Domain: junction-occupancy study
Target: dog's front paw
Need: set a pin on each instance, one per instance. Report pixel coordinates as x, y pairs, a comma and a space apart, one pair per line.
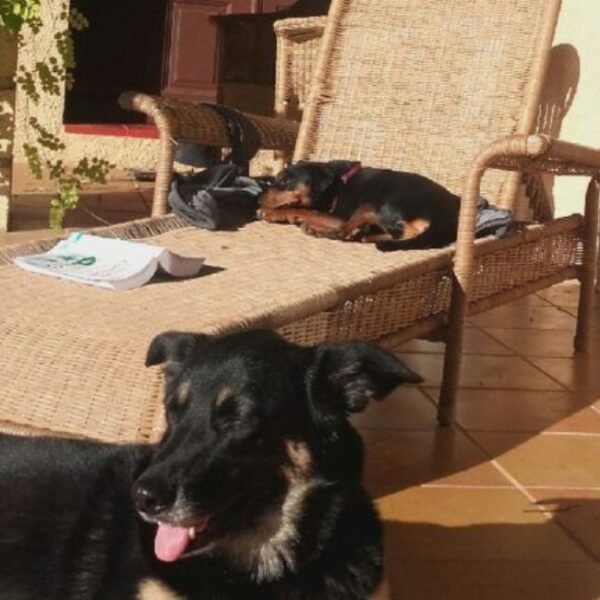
271, 215
317, 232
309, 229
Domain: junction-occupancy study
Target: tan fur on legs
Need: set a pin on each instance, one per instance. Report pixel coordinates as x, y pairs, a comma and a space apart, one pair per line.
414, 228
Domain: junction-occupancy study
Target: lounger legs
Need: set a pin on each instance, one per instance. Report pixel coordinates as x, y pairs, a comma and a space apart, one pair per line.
598, 259
461, 282
589, 267
164, 172
453, 356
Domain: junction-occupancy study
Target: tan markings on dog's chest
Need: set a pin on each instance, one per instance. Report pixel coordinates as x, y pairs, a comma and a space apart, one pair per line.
278, 551
153, 589
270, 548
300, 461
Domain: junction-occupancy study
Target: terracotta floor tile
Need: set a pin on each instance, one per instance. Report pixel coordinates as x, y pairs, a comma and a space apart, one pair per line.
579, 373
564, 295
476, 342
532, 317
525, 411
528, 301
577, 511
558, 461
407, 408
396, 460
471, 524
540, 342
595, 321
498, 372
494, 580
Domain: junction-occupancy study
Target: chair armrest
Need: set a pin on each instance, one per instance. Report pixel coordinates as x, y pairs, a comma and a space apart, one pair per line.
300, 27
181, 121
525, 153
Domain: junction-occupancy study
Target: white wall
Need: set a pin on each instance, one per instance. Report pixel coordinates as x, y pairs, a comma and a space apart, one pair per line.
579, 26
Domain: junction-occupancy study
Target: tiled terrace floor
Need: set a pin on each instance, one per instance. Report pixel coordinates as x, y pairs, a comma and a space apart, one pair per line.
505, 504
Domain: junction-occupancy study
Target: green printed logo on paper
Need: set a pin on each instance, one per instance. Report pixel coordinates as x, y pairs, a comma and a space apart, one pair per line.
84, 261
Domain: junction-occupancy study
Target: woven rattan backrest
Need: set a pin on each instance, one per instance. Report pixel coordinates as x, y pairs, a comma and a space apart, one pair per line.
423, 85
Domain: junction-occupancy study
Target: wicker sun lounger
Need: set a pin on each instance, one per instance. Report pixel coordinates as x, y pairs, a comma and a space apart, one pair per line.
400, 83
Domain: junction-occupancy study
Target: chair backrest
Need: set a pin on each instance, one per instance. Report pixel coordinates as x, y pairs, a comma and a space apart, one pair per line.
423, 86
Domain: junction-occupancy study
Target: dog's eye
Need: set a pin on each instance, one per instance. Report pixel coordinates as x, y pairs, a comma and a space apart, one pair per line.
227, 411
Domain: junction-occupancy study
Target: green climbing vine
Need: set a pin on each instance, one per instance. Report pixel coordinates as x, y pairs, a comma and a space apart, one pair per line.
43, 149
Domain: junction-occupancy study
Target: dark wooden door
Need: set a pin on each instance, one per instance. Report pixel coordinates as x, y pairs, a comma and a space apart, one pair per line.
274, 5
168, 47
191, 48
120, 50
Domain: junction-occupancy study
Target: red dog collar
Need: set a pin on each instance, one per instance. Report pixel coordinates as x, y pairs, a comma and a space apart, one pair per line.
351, 172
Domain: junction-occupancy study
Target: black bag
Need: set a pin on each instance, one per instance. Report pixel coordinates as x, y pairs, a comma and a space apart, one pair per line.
216, 198
222, 196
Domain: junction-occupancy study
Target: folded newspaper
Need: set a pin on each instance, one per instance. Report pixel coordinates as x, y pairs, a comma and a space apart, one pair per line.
108, 262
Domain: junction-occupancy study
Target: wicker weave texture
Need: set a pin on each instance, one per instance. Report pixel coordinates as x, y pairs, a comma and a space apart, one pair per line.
183, 121
298, 45
75, 382
73, 363
73, 355
372, 316
428, 86
514, 267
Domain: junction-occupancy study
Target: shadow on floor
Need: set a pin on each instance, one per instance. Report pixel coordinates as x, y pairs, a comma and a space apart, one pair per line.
497, 561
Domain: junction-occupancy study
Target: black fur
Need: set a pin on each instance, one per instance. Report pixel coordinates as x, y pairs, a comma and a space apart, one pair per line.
256, 427
396, 196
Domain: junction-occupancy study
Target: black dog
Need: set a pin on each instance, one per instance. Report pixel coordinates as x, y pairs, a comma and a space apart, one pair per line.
252, 493
341, 199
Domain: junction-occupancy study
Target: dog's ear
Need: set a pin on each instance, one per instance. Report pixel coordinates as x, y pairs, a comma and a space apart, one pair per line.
172, 347
344, 378
322, 180
341, 167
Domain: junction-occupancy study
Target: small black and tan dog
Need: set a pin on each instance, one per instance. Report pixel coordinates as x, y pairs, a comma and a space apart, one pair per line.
253, 492
342, 200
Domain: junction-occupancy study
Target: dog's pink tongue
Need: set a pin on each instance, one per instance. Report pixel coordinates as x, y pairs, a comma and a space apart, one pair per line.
170, 542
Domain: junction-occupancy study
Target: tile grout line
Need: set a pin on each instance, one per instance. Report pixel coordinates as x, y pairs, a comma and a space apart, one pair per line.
590, 434
428, 392
569, 488
526, 359
551, 377
548, 514
482, 329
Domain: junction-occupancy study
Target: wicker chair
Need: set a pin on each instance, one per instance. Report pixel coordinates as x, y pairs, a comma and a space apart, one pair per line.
399, 83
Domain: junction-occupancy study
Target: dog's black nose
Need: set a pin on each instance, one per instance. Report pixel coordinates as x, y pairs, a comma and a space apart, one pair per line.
152, 498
